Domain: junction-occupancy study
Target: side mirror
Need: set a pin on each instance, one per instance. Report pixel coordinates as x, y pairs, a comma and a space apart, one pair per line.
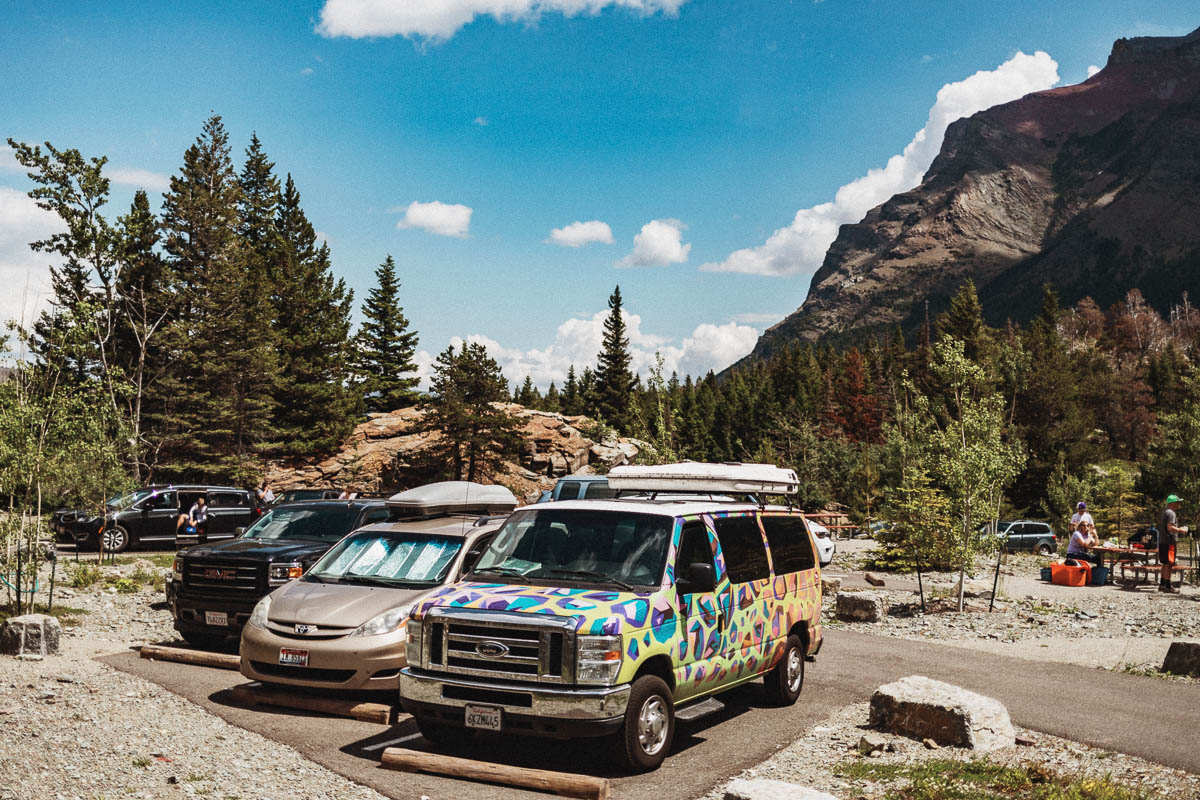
697, 578
238, 531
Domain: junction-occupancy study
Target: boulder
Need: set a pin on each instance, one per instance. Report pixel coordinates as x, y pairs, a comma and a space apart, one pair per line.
873, 579
764, 789
30, 635
871, 743
859, 607
1183, 658
922, 708
830, 586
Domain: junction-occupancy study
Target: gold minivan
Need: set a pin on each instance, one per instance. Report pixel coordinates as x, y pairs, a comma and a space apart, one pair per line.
342, 624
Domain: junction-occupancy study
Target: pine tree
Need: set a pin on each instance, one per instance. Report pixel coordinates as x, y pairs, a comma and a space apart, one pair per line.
964, 321
553, 400
476, 434
312, 327
571, 401
386, 372
226, 356
614, 379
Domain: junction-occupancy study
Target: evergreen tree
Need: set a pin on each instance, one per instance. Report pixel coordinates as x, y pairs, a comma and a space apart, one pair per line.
553, 400
527, 395
386, 372
614, 379
226, 357
572, 404
475, 434
313, 409
964, 321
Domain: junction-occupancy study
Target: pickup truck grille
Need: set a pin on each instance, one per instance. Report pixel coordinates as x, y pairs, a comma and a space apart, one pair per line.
212, 576
506, 652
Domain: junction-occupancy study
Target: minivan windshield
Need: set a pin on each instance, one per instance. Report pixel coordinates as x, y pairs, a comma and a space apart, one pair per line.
577, 545
388, 558
128, 501
316, 523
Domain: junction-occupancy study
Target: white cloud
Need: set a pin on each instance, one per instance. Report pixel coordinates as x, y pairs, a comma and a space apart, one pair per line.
441, 19
578, 341
800, 247
444, 219
140, 178
660, 242
24, 272
8, 160
306, 71
480, 121
1092, 70
577, 234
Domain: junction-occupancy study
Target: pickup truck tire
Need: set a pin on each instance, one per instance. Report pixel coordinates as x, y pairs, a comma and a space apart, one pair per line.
786, 679
116, 539
441, 735
205, 641
649, 729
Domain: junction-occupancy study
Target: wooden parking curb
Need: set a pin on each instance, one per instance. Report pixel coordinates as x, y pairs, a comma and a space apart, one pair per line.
364, 712
185, 656
560, 783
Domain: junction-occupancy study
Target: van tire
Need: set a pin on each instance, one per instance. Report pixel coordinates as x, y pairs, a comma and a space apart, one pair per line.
648, 731
116, 539
786, 679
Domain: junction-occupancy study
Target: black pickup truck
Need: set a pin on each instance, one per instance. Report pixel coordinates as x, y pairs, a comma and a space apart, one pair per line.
214, 587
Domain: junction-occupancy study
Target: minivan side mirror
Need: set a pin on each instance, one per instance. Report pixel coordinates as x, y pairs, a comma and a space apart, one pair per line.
238, 531
697, 578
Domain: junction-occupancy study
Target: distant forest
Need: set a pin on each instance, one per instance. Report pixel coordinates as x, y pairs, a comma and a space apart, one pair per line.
200, 341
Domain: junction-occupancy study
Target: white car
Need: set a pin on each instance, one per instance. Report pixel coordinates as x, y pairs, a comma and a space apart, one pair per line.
826, 546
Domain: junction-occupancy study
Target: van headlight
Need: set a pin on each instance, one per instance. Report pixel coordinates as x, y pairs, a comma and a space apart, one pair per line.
412, 647
258, 617
386, 622
598, 659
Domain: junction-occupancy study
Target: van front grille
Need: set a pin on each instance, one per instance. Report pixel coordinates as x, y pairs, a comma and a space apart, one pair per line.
508, 652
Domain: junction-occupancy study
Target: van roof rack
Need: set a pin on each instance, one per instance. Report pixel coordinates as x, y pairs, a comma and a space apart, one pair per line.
695, 477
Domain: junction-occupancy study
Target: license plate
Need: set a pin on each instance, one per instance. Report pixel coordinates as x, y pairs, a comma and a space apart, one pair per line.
216, 618
484, 717
293, 658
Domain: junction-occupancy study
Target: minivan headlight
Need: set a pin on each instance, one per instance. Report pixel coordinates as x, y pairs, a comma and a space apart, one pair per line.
386, 622
598, 659
258, 617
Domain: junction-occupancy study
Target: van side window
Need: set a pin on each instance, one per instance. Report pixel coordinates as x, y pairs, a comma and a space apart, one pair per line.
741, 542
791, 548
693, 547
568, 491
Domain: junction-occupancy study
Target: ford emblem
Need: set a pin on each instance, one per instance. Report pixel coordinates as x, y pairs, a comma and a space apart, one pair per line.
302, 629
491, 649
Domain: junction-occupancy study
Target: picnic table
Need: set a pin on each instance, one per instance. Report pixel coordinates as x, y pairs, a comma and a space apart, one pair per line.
1133, 559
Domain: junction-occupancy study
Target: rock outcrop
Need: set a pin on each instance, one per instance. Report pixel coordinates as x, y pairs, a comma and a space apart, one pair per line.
383, 455
1089, 187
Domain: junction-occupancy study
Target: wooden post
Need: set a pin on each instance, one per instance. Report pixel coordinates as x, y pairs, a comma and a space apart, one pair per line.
185, 656
364, 712
560, 783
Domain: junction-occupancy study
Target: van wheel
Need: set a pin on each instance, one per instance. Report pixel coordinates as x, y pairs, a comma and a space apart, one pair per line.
116, 539
785, 681
646, 735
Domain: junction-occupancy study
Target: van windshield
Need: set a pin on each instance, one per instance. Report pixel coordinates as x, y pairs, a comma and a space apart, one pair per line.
585, 546
387, 558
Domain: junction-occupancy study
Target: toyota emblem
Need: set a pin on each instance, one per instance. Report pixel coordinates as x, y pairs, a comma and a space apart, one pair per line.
303, 629
491, 649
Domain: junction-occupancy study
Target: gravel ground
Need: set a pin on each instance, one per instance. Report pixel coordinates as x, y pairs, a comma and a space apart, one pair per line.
812, 759
71, 727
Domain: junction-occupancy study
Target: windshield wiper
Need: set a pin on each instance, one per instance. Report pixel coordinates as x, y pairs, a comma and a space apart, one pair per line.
363, 580
500, 571
600, 577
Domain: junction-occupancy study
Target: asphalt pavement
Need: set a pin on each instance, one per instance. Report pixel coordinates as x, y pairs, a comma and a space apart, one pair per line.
1150, 717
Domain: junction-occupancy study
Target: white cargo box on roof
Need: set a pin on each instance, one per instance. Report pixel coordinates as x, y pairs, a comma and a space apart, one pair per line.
693, 476
453, 497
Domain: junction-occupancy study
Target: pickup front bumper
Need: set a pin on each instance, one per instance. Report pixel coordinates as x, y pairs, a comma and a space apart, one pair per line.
558, 711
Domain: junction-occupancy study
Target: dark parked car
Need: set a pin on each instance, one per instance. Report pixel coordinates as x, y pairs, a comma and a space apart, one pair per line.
214, 587
1025, 534
293, 495
147, 517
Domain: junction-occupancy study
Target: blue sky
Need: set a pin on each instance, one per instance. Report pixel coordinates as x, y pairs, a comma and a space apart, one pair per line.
710, 123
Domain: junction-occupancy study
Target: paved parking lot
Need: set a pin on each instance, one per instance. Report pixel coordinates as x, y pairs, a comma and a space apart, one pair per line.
1087, 705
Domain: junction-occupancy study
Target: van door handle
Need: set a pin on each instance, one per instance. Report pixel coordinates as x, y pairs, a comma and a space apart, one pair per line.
721, 621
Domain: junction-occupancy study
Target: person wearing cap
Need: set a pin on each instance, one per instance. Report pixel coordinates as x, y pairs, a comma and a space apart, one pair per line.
1168, 536
1081, 515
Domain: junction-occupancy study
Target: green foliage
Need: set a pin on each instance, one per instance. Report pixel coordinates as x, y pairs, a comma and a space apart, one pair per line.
475, 433
385, 370
85, 576
923, 532
614, 378
1173, 466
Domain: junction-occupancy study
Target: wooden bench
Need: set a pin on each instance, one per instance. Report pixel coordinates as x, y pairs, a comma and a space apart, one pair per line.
1143, 571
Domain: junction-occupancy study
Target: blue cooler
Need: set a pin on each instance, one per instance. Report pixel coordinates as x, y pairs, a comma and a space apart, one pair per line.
1099, 576
1046, 576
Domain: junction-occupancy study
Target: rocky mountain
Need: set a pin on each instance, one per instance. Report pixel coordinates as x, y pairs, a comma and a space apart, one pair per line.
381, 455
1094, 188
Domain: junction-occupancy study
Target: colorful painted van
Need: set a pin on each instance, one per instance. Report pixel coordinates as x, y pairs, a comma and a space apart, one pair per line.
613, 617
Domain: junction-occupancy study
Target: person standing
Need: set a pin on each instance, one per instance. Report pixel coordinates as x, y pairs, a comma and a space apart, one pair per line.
1168, 537
1080, 516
